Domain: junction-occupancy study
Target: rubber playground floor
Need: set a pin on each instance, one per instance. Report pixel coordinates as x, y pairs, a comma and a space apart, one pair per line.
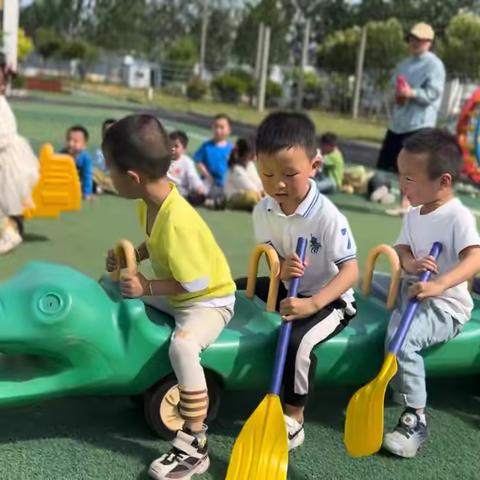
107, 438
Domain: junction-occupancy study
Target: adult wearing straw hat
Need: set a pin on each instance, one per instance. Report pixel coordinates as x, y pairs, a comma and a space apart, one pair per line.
418, 83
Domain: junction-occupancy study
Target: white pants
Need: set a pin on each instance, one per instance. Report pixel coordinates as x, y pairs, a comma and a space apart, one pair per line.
196, 327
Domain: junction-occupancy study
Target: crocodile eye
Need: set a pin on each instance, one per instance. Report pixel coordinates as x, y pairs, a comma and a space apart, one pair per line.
51, 307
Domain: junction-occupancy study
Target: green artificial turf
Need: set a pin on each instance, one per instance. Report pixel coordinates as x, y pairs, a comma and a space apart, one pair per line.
107, 438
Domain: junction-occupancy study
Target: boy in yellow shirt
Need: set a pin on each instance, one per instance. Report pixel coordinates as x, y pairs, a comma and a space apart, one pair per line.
193, 281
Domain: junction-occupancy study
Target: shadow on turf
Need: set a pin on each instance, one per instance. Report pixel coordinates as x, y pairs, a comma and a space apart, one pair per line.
34, 237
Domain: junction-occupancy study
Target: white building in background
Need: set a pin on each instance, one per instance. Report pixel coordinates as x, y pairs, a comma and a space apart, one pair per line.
138, 73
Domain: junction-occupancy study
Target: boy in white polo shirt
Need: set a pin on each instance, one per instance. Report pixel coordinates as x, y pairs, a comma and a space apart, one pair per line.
287, 158
429, 165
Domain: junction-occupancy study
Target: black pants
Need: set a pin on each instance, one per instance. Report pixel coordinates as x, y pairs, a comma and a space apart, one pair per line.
306, 334
391, 147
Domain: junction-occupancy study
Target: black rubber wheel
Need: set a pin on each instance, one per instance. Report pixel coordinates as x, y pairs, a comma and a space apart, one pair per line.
161, 406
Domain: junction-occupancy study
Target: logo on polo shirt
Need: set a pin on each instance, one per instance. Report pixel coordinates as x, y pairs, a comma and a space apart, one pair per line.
314, 244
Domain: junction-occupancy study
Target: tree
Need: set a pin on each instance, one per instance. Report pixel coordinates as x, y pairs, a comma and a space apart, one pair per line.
221, 30
461, 46
385, 48
338, 52
25, 45
47, 43
120, 25
274, 13
82, 51
66, 17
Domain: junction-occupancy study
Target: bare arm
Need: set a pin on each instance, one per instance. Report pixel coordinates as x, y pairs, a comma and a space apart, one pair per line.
468, 266
412, 265
141, 252
345, 279
292, 308
203, 170
165, 287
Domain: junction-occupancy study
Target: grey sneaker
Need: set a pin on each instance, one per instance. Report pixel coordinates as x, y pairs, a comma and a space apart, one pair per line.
186, 458
409, 435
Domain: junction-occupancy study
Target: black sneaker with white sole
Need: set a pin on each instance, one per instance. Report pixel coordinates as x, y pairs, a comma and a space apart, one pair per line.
187, 457
409, 435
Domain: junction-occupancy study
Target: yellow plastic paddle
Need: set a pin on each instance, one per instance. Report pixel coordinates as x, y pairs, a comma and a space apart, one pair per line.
261, 450
364, 421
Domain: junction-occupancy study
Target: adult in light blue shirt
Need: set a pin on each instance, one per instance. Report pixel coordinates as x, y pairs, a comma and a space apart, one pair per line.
418, 83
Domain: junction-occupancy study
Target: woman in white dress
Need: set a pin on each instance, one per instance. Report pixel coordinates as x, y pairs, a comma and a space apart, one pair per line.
19, 172
243, 187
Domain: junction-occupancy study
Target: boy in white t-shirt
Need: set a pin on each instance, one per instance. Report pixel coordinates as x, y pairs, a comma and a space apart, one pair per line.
183, 172
429, 165
287, 157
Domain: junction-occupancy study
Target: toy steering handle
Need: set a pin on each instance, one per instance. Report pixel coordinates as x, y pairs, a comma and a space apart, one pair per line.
395, 272
274, 265
125, 253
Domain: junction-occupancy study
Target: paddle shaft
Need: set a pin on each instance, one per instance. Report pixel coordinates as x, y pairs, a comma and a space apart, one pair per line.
400, 334
285, 330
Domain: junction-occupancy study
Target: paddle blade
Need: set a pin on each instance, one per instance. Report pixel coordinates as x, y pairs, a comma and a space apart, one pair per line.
261, 450
364, 421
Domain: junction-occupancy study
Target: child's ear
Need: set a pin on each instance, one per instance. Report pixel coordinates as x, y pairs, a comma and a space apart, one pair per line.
317, 160
446, 180
134, 176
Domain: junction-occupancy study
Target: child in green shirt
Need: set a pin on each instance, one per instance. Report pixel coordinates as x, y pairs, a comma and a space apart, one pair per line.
329, 179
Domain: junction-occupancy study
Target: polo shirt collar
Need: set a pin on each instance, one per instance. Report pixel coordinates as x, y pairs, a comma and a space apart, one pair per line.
308, 205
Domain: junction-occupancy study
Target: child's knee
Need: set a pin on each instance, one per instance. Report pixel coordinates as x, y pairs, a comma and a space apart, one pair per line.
183, 348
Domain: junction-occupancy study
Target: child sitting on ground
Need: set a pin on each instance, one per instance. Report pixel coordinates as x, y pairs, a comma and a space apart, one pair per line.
212, 159
428, 165
243, 187
329, 178
101, 177
193, 281
294, 207
76, 145
182, 171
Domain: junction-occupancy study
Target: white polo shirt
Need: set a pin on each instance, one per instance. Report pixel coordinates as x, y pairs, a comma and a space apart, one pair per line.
330, 241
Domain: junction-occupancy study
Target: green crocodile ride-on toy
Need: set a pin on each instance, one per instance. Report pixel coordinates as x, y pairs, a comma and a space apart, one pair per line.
63, 333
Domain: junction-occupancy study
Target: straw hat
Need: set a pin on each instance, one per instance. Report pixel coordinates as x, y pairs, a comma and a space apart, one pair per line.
422, 31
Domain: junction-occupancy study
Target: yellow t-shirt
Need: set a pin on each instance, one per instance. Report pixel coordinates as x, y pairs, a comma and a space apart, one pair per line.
182, 247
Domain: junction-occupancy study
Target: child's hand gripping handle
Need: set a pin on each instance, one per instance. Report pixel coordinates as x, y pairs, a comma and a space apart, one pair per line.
125, 253
397, 341
284, 337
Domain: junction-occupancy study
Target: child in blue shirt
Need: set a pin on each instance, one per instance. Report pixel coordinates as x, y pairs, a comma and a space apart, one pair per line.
76, 145
212, 156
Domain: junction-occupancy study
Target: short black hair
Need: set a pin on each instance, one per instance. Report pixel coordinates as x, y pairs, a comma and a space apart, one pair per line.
329, 138
107, 123
282, 130
181, 136
241, 152
443, 151
222, 116
79, 128
138, 142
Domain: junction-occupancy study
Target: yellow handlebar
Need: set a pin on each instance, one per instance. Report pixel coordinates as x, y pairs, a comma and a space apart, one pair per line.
125, 253
395, 272
274, 264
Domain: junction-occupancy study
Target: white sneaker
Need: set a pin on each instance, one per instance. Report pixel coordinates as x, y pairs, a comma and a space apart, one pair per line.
295, 432
186, 458
9, 240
